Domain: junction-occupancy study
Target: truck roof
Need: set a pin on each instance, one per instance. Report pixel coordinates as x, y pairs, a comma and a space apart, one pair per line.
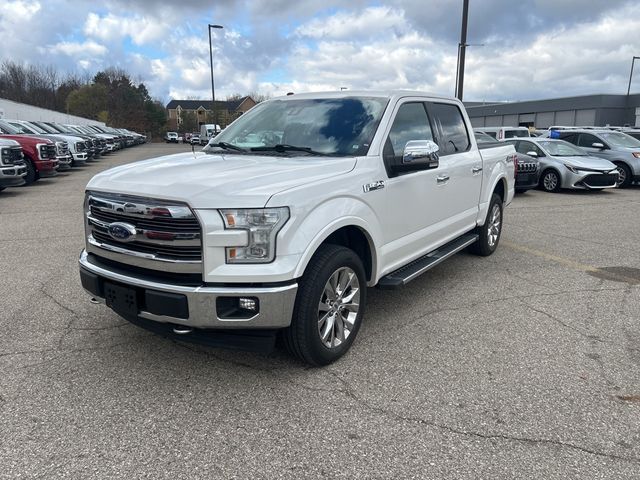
365, 93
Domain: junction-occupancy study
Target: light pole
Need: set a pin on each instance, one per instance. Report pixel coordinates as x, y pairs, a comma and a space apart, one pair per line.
462, 47
213, 90
631, 74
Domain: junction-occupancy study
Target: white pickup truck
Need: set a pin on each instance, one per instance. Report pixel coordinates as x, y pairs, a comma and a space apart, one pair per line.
284, 219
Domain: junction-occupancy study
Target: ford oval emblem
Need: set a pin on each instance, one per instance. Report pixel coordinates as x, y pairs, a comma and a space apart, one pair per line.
122, 232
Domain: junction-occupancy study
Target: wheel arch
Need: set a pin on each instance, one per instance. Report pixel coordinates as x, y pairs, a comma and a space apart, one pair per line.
350, 232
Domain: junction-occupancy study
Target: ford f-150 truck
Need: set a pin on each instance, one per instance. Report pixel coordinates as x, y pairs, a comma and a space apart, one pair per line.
287, 216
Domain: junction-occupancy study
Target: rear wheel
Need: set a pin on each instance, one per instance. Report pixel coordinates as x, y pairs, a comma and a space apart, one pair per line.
329, 306
489, 233
624, 175
550, 181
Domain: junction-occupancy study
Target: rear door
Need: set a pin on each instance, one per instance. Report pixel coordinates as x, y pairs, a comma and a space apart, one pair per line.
460, 167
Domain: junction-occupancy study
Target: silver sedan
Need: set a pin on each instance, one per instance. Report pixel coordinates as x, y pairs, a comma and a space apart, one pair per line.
564, 165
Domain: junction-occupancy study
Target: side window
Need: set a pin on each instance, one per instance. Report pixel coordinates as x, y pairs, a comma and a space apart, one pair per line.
587, 140
525, 147
411, 123
452, 131
493, 134
570, 137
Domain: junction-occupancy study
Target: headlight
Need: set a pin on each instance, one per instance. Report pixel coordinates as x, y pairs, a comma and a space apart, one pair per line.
571, 168
42, 151
6, 155
262, 226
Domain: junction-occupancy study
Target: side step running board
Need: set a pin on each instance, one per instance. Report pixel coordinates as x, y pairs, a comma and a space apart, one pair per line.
404, 275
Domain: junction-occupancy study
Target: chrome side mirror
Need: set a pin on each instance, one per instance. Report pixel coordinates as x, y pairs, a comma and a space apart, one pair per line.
532, 153
421, 152
598, 145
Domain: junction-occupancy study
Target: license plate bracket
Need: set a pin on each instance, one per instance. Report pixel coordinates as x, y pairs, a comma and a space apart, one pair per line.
122, 300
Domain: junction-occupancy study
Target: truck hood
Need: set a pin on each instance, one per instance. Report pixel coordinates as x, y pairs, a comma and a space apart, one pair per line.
218, 181
587, 162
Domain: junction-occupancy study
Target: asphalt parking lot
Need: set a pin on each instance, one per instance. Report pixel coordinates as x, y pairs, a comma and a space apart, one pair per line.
525, 364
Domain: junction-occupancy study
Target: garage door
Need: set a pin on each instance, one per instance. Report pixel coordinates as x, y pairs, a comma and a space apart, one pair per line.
544, 119
510, 120
565, 117
586, 118
493, 121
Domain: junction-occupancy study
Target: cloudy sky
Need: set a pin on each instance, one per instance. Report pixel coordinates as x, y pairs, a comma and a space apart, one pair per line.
530, 48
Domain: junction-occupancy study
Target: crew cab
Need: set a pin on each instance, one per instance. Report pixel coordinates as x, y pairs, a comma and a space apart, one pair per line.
39, 155
285, 218
12, 167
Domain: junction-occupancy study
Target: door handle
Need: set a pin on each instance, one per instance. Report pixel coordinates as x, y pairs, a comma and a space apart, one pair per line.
442, 179
476, 169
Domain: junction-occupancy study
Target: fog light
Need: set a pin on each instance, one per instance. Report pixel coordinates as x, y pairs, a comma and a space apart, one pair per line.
248, 304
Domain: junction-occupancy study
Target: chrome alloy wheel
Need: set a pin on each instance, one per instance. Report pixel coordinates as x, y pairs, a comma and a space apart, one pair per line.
338, 307
495, 221
550, 181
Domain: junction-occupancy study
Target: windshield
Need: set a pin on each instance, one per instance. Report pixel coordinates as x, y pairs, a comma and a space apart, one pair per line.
18, 127
560, 148
46, 128
516, 133
620, 139
329, 126
6, 127
35, 128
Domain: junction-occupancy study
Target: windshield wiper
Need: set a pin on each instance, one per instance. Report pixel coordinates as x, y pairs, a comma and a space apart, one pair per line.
283, 147
227, 146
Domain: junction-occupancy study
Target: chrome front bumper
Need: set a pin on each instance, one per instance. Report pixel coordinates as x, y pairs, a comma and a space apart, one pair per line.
275, 303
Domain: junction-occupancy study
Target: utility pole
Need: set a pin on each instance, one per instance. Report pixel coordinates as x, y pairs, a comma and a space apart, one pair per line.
462, 47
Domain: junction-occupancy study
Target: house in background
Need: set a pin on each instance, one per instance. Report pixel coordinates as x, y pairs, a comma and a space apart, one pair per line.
180, 111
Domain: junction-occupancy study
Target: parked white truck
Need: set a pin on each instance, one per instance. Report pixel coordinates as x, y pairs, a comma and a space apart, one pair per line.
286, 217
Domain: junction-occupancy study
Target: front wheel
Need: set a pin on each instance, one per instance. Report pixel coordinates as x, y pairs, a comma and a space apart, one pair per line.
329, 306
550, 181
32, 175
489, 233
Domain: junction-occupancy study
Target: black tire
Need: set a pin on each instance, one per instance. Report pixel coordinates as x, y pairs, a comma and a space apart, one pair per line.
32, 175
303, 338
487, 242
550, 181
624, 173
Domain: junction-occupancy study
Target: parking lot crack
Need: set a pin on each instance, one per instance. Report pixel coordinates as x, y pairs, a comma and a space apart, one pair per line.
349, 392
590, 337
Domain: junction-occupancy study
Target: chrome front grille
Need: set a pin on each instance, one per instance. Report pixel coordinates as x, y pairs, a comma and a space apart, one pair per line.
63, 149
51, 151
527, 167
15, 156
143, 232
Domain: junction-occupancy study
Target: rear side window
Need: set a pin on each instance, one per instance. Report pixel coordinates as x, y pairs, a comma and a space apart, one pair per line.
452, 131
587, 140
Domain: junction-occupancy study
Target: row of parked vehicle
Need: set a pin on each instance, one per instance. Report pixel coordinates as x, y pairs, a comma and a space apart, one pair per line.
590, 158
35, 149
